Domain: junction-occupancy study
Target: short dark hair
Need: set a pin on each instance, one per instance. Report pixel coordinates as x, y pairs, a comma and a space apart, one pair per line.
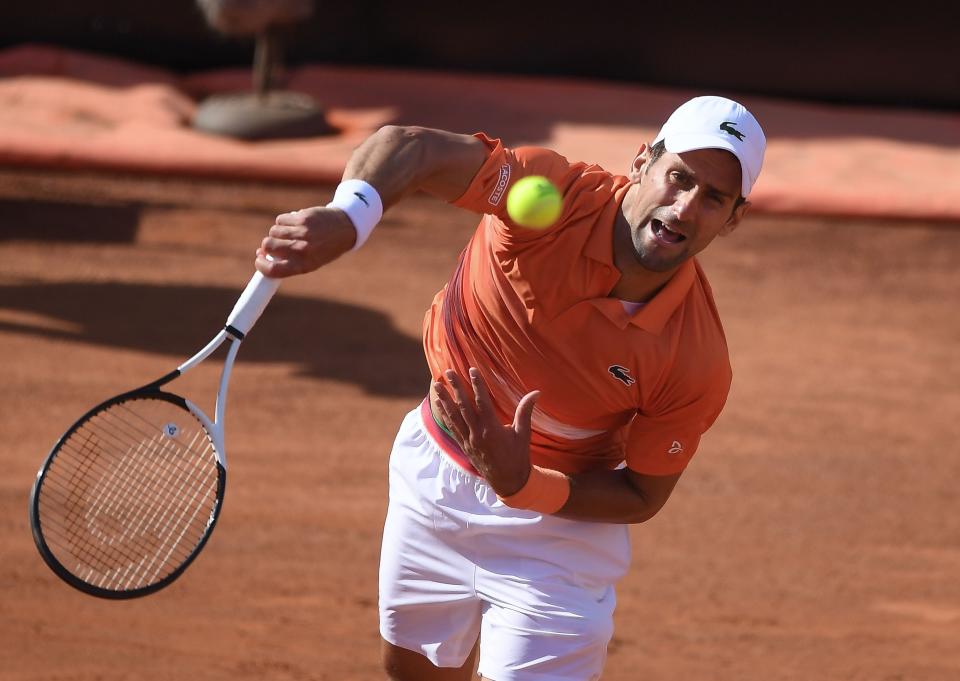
659, 148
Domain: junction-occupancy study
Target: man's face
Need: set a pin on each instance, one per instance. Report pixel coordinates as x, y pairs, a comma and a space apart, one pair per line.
680, 203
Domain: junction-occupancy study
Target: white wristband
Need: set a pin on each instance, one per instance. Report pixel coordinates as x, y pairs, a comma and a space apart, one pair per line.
362, 204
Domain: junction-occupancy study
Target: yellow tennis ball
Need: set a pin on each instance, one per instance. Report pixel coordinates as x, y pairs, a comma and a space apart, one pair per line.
534, 202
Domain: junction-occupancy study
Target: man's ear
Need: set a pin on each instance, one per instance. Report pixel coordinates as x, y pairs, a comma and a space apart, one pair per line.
636, 168
734, 221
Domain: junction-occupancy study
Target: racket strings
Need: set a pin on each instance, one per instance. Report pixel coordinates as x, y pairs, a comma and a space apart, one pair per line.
122, 506
110, 479
109, 500
116, 434
130, 494
121, 527
123, 534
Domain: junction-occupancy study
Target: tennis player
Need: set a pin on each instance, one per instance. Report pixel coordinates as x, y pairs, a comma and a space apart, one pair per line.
575, 369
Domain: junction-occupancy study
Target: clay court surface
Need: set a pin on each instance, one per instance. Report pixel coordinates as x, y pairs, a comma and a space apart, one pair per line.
816, 535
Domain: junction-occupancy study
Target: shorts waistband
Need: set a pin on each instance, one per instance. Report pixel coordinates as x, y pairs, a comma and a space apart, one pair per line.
446, 443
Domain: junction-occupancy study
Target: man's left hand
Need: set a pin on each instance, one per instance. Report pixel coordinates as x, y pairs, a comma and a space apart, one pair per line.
500, 452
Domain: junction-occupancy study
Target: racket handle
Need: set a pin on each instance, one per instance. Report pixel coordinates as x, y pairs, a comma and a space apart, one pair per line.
251, 304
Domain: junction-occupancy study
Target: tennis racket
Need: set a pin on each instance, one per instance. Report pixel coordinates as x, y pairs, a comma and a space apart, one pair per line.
131, 492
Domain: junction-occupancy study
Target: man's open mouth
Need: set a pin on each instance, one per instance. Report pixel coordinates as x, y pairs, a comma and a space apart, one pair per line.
664, 233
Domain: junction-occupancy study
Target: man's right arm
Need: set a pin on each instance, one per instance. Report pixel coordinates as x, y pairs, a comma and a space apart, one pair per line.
400, 160
396, 161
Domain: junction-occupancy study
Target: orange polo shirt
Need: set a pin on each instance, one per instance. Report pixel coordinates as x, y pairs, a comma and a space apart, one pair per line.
530, 309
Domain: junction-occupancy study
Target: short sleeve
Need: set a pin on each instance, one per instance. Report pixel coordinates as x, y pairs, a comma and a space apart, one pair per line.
487, 193
664, 443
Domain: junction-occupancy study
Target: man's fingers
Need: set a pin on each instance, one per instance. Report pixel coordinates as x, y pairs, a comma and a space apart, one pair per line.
292, 218
281, 247
451, 413
280, 257
274, 266
524, 414
481, 394
288, 232
464, 406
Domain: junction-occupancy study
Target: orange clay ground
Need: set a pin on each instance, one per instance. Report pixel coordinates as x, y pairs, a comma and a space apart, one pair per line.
816, 535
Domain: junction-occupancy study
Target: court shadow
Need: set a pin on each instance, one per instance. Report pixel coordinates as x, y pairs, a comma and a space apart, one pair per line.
68, 222
323, 339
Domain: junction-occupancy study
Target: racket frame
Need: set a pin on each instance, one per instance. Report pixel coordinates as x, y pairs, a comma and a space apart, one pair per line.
244, 315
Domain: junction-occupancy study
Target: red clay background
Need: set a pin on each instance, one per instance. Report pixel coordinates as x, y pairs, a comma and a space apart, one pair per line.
66, 109
815, 536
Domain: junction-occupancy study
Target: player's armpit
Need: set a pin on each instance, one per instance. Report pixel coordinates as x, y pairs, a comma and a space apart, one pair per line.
619, 496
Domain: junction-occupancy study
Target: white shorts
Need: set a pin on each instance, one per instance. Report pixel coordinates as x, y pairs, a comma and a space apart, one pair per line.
457, 563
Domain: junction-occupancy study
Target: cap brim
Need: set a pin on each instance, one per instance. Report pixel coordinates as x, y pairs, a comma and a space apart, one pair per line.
677, 144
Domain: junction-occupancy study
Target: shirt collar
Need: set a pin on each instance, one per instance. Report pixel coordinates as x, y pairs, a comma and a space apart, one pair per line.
653, 316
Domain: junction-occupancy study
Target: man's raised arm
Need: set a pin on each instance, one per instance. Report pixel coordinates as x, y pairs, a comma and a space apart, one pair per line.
393, 162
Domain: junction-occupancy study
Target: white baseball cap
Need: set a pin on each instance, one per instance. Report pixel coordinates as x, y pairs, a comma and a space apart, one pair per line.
717, 123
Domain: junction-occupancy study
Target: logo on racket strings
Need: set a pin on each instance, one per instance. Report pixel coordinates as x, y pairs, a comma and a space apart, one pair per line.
171, 430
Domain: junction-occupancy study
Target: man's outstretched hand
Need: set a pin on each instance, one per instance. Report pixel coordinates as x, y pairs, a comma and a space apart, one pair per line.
500, 452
